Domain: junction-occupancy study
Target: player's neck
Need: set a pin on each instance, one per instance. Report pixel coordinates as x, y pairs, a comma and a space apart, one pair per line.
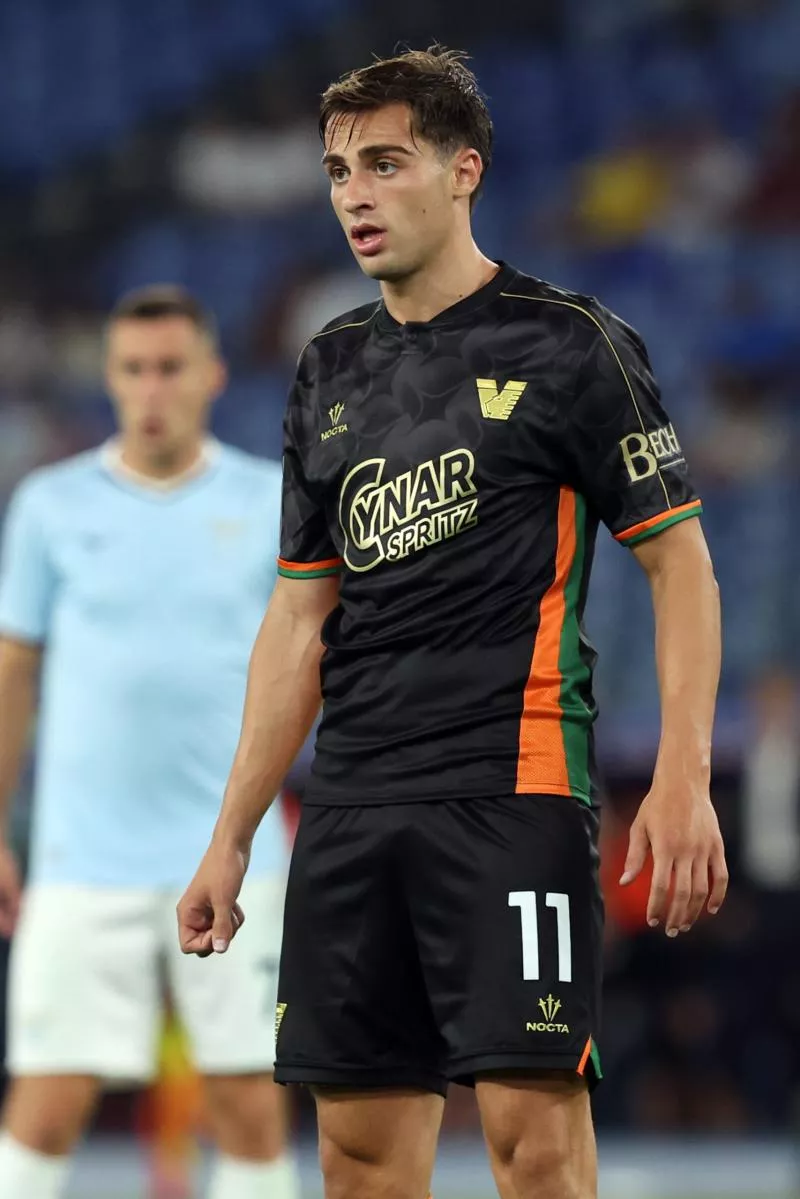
165, 470
453, 275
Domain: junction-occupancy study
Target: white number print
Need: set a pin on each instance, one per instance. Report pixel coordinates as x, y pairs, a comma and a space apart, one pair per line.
529, 919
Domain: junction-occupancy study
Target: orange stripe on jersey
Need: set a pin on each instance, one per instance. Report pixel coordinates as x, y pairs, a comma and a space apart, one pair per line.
670, 517
585, 1056
309, 570
542, 762
310, 565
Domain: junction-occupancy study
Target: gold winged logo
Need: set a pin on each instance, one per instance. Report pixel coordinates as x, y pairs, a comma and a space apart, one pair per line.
497, 404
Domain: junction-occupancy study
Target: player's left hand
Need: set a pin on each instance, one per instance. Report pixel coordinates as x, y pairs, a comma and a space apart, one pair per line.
209, 914
682, 832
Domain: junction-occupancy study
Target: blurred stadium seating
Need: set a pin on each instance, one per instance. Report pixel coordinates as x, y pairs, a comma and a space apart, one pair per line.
648, 152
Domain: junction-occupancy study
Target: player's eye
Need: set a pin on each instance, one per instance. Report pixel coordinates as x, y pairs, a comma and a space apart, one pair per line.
171, 366
338, 174
384, 167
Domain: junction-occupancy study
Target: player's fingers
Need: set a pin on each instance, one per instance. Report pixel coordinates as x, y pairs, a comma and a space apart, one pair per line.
681, 896
659, 888
198, 943
699, 892
238, 915
193, 918
719, 878
638, 845
223, 928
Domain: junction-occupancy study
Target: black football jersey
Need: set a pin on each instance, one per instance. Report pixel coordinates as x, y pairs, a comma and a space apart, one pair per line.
454, 472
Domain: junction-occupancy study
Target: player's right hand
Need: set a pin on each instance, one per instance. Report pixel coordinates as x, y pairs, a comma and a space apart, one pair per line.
209, 915
10, 891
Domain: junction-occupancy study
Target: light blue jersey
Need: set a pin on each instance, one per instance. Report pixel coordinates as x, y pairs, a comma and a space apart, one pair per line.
147, 602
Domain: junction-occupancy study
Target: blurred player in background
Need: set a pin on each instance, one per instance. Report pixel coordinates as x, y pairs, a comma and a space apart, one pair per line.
450, 452
135, 576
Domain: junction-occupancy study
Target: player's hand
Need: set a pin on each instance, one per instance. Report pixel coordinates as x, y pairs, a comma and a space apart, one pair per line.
209, 915
682, 831
10, 891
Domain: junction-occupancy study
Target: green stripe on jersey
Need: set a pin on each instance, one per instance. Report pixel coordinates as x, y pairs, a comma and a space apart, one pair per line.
576, 719
668, 520
309, 574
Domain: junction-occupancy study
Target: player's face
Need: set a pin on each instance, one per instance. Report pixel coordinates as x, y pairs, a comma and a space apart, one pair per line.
394, 194
163, 376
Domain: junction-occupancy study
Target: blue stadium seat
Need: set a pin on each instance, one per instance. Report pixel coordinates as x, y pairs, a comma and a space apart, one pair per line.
76, 75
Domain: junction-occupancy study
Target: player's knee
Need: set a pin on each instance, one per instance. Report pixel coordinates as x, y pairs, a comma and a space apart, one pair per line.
247, 1115
377, 1146
354, 1168
348, 1176
49, 1115
542, 1167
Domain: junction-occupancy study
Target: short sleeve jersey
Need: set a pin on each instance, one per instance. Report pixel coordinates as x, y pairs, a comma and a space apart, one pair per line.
147, 603
454, 473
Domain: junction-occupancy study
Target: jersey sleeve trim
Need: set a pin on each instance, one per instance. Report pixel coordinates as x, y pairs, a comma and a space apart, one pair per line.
309, 570
656, 524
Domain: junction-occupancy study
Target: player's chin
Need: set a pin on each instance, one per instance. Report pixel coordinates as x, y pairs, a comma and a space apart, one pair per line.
372, 265
384, 267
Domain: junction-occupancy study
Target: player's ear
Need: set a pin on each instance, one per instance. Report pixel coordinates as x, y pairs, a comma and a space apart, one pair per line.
220, 377
467, 171
108, 379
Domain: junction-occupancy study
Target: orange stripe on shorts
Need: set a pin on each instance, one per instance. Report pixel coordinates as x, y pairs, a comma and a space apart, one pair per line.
585, 1057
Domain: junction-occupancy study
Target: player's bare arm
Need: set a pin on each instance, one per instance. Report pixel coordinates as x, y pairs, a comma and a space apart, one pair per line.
19, 677
283, 698
676, 820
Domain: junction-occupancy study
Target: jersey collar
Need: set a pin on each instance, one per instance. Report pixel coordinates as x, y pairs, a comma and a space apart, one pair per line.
456, 312
111, 458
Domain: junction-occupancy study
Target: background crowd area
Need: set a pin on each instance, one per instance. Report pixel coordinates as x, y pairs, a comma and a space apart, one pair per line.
647, 152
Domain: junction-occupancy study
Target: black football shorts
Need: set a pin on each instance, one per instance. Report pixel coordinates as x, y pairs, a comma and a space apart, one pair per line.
428, 942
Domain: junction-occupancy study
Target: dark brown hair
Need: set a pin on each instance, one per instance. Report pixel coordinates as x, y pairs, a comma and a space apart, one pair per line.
163, 300
447, 106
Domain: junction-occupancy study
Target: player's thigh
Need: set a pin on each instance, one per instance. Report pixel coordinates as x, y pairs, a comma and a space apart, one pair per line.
227, 1001
393, 1131
83, 985
508, 914
542, 1122
353, 1011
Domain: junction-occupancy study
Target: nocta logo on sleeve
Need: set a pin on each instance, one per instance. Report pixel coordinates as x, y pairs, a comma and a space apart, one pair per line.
337, 426
386, 520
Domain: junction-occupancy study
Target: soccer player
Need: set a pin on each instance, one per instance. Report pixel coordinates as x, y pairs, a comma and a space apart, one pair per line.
449, 453
136, 575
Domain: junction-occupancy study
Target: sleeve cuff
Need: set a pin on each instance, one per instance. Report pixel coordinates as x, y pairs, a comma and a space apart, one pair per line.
17, 630
657, 524
309, 570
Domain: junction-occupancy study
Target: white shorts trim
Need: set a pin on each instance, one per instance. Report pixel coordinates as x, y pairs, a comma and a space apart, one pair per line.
88, 971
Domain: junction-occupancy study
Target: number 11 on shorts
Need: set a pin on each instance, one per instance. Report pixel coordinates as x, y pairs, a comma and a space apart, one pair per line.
529, 919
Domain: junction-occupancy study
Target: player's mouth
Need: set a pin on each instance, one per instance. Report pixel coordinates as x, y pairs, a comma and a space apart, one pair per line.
368, 239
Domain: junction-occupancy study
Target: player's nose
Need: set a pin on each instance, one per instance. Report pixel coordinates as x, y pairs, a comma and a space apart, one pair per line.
154, 391
358, 196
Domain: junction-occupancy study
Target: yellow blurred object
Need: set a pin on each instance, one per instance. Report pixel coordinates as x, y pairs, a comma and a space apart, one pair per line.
172, 1110
620, 195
